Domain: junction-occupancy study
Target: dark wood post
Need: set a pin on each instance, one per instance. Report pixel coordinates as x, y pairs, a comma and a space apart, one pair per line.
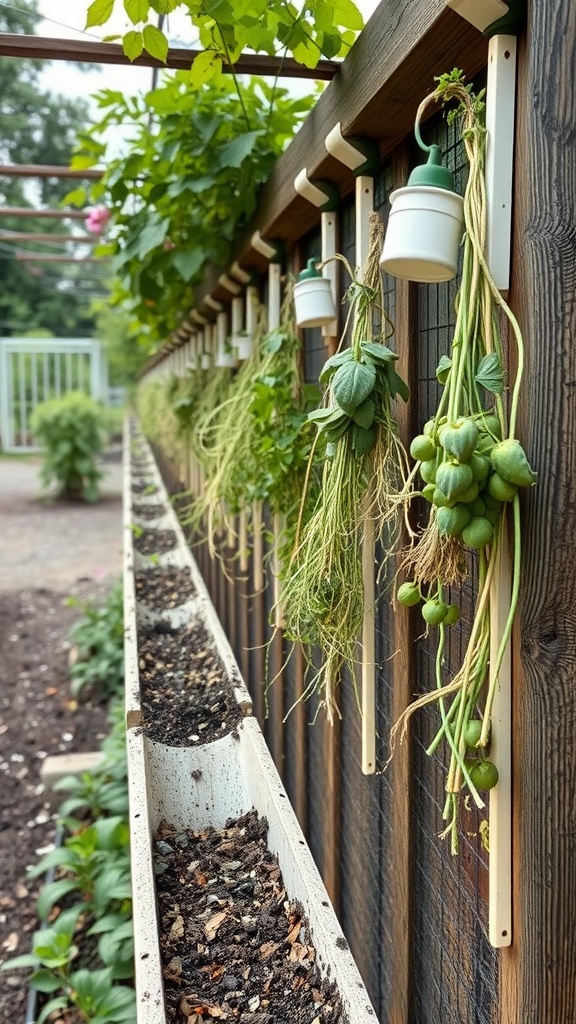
538, 973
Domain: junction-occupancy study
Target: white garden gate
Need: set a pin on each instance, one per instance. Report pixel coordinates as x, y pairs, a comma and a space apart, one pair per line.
33, 370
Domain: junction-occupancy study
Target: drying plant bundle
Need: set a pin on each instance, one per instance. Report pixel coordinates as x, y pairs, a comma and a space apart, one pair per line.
362, 465
251, 444
471, 465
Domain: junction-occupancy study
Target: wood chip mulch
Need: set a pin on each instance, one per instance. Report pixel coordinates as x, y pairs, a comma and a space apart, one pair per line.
187, 697
234, 947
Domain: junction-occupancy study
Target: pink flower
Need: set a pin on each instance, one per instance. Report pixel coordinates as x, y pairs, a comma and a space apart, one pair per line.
97, 219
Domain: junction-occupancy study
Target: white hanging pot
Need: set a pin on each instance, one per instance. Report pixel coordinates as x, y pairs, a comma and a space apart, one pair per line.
225, 359
425, 226
313, 299
243, 346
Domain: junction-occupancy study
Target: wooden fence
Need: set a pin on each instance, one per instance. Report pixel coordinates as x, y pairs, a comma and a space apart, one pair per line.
414, 916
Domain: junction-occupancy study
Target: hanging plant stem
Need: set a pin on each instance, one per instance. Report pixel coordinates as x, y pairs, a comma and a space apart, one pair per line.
363, 467
472, 466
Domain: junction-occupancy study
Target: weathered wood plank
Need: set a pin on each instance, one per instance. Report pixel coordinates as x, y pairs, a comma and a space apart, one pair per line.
542, 968
96, 52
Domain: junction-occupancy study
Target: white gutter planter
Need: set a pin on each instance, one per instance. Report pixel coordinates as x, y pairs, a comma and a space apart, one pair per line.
205, 785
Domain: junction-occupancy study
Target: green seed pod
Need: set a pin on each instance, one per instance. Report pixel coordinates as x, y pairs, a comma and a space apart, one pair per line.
453, 479
478, 533
408, 594
459, 438
428, 492
452, 615
440, 500
509, 460
490, 424
434, 612
479, 465
451, 521
423, 448
490, 502
428, 471
470, 493
472, 732
500, 489
492, 515
484, 775
477, 507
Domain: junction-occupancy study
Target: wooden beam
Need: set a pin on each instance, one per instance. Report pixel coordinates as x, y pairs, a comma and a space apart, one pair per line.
42, 257
375, 94
178, 58
537, 972
27, 211
38, 236
46, 171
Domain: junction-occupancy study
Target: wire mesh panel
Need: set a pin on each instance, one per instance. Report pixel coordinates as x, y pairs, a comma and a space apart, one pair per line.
454, 969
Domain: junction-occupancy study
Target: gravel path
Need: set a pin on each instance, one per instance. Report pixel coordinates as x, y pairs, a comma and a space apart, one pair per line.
49, 543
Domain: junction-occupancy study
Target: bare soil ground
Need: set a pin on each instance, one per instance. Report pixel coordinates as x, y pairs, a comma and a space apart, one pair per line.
49, 550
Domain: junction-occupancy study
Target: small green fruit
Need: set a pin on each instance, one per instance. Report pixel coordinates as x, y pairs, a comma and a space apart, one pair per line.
440, 500
509, 460
452, 615
477, 507
428, 471
484, 775
453, 479
501, 489
408, 594
434, 612
478, 533
423, 448
480, 466
459, 438
472, 732
428, 492
451, 521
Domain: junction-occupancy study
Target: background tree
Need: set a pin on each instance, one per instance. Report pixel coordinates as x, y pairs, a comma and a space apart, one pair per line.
37, 126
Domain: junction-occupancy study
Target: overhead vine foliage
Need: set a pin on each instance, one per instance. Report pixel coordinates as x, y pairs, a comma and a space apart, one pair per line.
188, 182
314, 29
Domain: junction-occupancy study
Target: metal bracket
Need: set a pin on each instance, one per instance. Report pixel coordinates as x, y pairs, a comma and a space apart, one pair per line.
266, 249
325, 197
231, 286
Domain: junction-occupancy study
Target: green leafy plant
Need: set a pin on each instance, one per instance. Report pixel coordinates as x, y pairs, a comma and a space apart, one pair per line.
87, 948
99, 636
70, 429
362, 463
316, 28
471, 465
187, 184
254, 445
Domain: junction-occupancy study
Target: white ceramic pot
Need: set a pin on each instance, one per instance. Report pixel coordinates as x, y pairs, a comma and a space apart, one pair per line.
313, 302
424, 234
243, 346
225, 359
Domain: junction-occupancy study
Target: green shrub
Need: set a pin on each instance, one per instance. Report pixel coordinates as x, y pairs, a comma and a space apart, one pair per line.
99, 637
70, 429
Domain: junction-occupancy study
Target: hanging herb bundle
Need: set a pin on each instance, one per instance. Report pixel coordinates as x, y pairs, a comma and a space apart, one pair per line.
254, 445
471, 465
362, 462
